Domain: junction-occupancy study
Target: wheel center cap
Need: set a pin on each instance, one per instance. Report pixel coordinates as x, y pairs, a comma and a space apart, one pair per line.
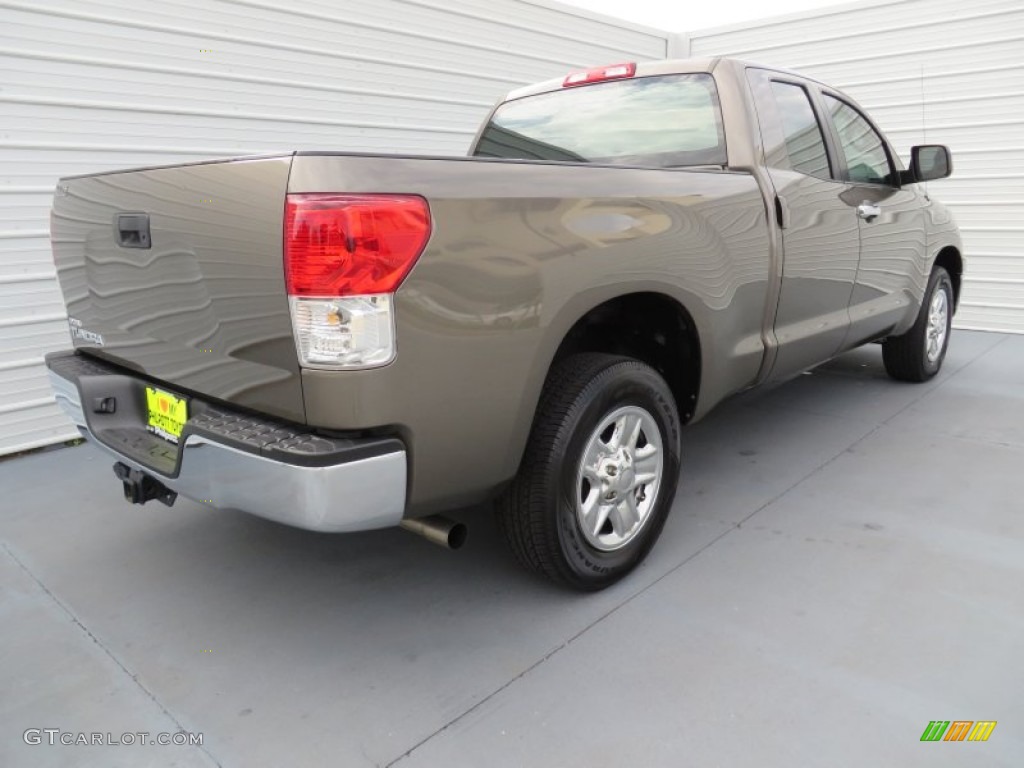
618, 473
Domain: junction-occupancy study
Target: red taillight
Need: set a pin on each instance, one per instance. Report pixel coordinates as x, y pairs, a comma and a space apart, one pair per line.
597, 74
352, 245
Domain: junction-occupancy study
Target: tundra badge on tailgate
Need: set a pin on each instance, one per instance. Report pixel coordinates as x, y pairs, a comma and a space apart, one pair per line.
78, 331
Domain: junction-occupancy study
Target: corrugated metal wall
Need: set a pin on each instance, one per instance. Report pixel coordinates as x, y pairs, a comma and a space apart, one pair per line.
947, 71
93, 86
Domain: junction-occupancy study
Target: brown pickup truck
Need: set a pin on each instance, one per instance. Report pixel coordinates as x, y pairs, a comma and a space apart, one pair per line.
344, 341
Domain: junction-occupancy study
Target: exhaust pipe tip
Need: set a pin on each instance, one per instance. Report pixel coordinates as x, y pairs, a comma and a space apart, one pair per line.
437, 529
457, 536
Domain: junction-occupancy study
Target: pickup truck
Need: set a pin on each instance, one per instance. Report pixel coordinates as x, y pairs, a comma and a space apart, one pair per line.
343, 341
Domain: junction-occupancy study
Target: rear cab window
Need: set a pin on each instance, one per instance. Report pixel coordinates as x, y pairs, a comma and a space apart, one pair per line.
664, 121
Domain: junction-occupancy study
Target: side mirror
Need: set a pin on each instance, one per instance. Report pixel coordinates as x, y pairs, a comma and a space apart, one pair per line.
930, 161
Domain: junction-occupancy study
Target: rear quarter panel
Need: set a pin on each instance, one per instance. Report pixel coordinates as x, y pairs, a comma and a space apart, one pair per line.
519, 252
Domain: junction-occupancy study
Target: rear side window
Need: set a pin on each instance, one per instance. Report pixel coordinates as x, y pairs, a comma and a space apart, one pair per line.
665, 121
866, 158
805, 143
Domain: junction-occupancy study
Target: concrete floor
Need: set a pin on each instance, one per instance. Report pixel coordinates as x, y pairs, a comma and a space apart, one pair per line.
844, 564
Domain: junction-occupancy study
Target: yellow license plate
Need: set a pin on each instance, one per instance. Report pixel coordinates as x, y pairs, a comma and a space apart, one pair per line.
166, 414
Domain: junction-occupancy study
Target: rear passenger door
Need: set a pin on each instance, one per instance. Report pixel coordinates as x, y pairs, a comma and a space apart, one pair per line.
819, 225
893, 268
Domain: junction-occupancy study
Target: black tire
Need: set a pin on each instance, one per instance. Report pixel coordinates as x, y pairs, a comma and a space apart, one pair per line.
905, 356
538, 513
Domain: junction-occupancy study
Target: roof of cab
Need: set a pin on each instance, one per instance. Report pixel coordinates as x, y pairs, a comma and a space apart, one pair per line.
643, 69
651, 68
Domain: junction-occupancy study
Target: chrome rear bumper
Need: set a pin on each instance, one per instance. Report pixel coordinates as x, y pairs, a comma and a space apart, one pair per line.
363, 493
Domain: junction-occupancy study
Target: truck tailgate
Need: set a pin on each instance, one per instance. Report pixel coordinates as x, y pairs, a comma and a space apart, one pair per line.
176, 273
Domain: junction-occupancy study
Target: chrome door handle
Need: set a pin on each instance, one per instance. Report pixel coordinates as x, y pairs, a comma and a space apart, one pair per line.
868, 211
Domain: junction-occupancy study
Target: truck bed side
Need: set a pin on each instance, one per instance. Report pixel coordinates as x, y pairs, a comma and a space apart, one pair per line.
519, 252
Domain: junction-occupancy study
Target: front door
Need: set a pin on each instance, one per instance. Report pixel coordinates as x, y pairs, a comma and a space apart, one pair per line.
893, 269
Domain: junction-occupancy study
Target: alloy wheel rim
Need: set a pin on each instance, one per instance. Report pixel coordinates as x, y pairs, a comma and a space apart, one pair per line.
618, 478
938, 323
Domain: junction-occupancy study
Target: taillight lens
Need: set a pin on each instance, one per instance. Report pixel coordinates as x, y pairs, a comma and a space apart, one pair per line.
344, 256
352, 245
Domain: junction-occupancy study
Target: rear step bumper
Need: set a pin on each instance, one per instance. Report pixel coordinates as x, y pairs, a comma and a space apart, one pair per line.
231, 460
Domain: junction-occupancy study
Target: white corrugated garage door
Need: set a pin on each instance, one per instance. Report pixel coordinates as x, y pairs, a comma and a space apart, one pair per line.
93, 86
948, 71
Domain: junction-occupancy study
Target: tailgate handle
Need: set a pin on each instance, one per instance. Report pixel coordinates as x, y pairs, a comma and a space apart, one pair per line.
132, 230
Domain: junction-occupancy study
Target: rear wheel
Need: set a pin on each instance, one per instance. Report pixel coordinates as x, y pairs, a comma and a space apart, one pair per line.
918, 354
599, 473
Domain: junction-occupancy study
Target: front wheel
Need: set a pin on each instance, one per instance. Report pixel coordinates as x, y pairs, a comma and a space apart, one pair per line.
917, 355
599, 473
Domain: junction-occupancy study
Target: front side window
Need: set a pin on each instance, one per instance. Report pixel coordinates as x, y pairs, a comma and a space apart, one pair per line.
866, 159
665, 121
805, 144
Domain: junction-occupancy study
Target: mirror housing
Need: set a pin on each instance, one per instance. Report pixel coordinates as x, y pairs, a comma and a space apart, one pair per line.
929, 162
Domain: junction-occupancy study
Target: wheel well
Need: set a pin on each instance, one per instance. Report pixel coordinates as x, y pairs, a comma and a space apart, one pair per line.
949, 258
650, 327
